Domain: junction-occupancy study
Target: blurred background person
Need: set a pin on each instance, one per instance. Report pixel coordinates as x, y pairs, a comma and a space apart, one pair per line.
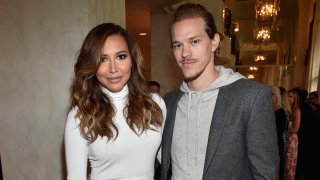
154, 87
308, 152
284, 99
313, 100
282, 121
294, 125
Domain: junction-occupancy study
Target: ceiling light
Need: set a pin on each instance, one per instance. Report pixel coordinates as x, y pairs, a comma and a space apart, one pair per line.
259, 57
266, 20
267, 10
235, 26
250, 76
262, 34
253, 68
142, 34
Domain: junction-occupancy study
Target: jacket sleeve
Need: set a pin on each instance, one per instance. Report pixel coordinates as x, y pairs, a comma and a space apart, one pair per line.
261, 138
76, 149
158, 99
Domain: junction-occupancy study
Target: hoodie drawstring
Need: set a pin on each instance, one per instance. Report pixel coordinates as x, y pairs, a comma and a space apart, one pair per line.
187, 150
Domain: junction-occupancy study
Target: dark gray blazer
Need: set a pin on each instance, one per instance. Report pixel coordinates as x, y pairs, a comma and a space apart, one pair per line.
242, 143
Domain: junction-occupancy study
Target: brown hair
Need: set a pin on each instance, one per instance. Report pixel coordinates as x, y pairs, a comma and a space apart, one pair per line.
94, 108
190, 10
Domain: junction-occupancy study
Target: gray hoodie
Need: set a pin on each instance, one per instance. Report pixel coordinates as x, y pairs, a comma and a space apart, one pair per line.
192, 124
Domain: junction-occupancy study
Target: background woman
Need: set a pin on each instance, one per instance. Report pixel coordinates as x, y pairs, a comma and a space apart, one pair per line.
294, 124
114, 120
284, 99
282, 121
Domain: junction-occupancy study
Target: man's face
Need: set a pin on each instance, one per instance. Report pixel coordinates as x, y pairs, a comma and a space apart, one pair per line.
313, 100
192, 47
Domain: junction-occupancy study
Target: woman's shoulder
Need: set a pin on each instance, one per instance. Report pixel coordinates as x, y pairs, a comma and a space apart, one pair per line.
297, 111
159, 100
72, 118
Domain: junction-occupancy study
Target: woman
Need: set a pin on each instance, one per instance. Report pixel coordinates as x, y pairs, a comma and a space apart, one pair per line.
284, 99
294, 124
282, 121
114, 120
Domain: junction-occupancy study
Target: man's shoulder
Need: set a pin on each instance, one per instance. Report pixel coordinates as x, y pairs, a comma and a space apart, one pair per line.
245, 88
245, 85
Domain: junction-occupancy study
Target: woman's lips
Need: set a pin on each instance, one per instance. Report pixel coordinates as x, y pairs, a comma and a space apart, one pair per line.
114, 79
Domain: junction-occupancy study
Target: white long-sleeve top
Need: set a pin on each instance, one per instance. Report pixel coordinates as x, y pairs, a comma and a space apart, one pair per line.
128, 157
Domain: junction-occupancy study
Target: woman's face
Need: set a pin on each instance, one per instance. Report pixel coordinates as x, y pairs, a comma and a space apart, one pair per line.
290, 98
115, 66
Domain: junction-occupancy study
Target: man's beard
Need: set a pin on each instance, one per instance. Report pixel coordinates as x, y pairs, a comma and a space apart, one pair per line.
192, 78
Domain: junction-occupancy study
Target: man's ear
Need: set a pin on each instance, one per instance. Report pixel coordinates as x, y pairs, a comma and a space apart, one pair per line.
215, 42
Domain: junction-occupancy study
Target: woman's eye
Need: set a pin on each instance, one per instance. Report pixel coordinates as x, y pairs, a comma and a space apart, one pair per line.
122, 57
104, 59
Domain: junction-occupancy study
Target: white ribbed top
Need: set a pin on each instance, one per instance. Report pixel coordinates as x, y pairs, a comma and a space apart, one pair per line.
129, 157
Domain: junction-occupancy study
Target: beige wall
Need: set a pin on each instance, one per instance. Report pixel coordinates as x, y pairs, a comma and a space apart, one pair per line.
314, 65
39, 40
163, 65
301, 43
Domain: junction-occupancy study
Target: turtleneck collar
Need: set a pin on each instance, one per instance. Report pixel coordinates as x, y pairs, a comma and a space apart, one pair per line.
117, 96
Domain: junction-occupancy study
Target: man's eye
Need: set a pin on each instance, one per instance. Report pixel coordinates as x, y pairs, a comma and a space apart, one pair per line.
195, 42
176, 46
122, 57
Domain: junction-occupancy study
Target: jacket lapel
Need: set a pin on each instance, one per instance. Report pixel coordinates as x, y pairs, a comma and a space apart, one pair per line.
217, 125
172, 104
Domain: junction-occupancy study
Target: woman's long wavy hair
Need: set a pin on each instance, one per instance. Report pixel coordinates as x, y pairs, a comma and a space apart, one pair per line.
94, 108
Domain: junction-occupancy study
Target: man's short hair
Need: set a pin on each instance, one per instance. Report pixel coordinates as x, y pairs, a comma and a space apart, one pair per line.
154, 83
190, 10
315, 94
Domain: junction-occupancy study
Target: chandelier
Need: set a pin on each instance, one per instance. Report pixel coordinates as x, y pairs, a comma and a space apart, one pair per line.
266, 20
253, 68
259, 57
267, 11
250, 76
262, 34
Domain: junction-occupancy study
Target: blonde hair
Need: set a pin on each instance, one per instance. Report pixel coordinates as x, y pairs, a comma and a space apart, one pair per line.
276, 91
284, 99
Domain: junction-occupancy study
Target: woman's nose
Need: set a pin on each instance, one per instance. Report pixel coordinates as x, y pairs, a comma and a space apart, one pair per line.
113, 66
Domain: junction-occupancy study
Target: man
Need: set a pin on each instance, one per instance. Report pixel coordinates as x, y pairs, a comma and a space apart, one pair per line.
314, 100
307, 135
219, 125
154, 87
